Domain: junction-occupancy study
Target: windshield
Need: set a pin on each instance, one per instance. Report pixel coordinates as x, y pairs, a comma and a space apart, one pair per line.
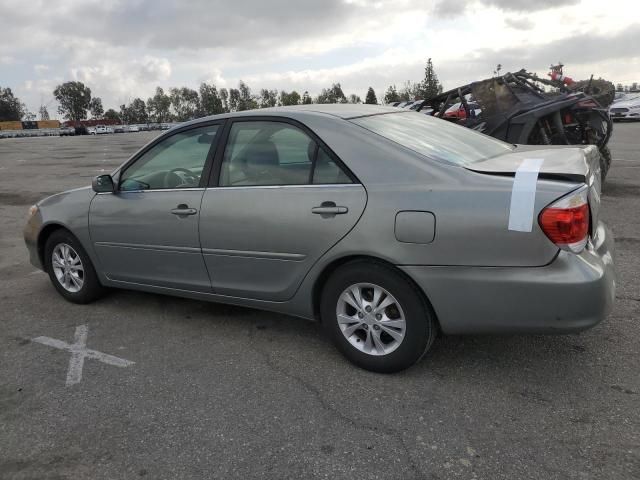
435, 138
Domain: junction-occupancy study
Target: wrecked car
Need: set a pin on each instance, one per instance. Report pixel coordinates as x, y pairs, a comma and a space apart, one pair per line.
515, 107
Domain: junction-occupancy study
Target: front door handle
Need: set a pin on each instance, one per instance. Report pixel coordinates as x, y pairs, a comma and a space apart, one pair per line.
184, 209
329, 208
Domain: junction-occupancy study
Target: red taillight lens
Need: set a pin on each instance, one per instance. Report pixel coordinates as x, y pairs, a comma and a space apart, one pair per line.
566, 222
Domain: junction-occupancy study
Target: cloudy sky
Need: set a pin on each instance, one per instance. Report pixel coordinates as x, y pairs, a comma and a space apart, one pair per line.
123, 49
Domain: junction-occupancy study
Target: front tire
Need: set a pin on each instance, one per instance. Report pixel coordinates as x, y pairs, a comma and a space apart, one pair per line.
70, 268
376, 317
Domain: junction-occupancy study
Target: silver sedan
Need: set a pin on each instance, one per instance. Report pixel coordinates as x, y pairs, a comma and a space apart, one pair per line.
386, 225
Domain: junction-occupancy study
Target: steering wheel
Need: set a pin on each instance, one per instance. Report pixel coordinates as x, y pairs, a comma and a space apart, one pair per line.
173, 180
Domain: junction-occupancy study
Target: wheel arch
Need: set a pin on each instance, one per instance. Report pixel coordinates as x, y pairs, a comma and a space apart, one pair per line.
334, 265
44, 235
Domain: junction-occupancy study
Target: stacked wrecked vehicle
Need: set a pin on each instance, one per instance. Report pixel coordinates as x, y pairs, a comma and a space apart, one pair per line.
517, 108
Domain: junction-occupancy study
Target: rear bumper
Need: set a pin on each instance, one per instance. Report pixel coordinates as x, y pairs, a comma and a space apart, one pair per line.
572, 293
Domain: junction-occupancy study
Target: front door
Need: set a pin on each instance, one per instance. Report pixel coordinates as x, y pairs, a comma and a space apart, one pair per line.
147, 231
282, 200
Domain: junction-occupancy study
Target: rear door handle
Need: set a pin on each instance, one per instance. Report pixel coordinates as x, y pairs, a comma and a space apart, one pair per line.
329, 208
183, 209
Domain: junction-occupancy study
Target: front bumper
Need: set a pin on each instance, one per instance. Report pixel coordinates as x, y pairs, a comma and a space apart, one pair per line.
625, 116
572, 293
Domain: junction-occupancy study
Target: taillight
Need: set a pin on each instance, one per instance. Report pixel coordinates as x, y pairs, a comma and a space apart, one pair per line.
566, 222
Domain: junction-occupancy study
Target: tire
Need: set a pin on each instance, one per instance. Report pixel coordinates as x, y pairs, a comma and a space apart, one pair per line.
605, 162
366, 342
77, 285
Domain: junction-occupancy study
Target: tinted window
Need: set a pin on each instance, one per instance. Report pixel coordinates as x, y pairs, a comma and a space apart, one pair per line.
327, 171
267, 153
435, 138
176, 162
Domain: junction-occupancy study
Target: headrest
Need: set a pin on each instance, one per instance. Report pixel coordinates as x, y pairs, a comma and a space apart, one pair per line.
262, 154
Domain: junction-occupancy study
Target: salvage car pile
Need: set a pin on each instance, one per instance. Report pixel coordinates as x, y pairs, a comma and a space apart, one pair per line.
517, 108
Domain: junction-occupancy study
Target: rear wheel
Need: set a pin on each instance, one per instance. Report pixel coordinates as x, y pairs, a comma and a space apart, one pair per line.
376, 317
70, 268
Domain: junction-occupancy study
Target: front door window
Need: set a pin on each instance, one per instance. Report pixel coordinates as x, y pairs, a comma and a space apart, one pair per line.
176, 162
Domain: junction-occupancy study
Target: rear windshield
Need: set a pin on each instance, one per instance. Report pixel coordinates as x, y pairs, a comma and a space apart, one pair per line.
435, 138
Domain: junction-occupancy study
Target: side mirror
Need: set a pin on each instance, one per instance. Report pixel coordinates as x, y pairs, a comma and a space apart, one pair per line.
103, 183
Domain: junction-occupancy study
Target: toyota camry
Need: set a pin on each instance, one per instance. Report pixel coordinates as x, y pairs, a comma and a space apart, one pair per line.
386, 225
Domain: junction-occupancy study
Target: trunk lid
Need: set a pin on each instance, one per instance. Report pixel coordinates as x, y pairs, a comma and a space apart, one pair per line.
563, 163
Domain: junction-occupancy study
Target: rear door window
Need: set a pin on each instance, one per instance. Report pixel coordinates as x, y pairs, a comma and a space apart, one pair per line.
266, 153
327, 171
276, 153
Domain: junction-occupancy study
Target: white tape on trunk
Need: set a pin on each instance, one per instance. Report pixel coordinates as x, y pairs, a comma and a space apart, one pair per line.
523, 195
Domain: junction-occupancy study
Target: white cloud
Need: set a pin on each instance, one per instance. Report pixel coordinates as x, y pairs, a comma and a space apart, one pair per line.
41, 69
124, 48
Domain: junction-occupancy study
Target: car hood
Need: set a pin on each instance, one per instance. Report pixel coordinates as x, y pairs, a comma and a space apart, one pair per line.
82, 192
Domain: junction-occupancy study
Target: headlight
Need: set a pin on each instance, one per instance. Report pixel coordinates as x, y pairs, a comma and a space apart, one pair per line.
33, 209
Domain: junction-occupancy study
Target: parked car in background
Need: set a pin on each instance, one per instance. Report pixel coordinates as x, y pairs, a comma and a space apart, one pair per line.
67, 131
101, 129
414, 105
90, 130
628, 109
118, 129
384, 224
131, 128
457, 111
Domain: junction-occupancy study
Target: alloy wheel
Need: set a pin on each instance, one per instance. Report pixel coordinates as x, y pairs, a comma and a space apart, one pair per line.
67, 267
371, 319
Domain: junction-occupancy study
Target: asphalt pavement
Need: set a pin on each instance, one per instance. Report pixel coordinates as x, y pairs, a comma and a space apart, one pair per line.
211, 391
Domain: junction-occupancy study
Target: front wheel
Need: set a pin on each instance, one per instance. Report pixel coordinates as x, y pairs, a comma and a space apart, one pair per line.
70, 268
376, 317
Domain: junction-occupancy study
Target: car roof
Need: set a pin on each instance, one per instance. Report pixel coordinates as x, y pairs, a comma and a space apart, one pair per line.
341, 111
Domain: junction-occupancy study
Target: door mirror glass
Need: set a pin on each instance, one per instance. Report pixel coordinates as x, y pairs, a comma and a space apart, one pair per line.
102, 184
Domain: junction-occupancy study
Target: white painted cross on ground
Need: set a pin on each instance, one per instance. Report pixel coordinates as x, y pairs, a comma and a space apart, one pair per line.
79, 352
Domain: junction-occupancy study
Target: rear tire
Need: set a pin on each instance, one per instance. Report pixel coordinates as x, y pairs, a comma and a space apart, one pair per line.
70, 268
386, 326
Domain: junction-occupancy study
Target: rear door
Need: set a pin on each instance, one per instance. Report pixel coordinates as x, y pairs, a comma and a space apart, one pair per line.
279, 200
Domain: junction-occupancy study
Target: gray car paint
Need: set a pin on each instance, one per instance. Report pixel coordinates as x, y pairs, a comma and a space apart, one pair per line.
473, 253
138, 239
260, 242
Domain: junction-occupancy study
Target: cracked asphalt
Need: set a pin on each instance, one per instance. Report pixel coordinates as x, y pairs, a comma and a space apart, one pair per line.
222, 392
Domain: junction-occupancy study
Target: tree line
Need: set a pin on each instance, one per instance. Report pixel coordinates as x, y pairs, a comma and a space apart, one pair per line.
76, 102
